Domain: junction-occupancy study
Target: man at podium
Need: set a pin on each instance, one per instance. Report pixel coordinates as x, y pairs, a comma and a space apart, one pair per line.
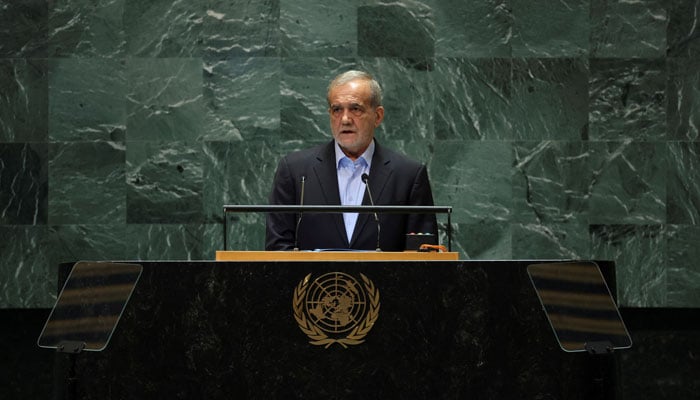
352, 169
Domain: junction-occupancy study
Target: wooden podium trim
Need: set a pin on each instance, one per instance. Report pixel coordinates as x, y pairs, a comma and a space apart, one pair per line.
334, 256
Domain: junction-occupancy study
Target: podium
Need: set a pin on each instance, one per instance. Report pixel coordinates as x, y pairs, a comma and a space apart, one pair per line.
437, 329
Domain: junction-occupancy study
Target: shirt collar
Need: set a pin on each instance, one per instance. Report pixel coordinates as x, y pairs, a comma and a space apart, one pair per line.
367, 155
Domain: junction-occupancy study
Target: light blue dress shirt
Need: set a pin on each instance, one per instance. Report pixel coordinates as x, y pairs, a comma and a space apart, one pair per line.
350, 184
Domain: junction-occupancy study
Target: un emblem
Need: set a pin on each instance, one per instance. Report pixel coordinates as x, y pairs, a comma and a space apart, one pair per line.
336, 308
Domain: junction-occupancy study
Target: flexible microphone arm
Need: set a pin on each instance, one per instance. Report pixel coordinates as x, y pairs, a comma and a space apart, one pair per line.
365, 179
301, 214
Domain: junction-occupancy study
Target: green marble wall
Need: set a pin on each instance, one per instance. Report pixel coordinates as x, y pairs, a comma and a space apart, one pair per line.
555, 129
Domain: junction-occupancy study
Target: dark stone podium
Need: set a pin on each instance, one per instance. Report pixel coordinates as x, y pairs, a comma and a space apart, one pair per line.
445, 330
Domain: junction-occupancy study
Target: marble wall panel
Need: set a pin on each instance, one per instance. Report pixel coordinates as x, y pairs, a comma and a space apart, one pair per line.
244, 231
23, 183
86, 183
165, 242
71, 243
549, 99
551, 241
472, 29
550, 29
164, 182
683, 183
629, 183
473, 98
627, 99
683, 265
24, 29
421, 150
86, 28
242, 99
241, 28
162, 28
164, 99
333, 27
237, 173
213, 240
552, 182
28, 280
87, 100
683, 106
398, 29
641, 269
24, 100
474, 177
485, 240
683, 29
621, 29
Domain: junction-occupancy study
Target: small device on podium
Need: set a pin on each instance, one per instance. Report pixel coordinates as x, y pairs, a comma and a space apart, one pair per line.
414, 241
579, 307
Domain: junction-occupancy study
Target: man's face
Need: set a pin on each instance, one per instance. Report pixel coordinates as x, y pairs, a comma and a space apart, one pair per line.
352, 118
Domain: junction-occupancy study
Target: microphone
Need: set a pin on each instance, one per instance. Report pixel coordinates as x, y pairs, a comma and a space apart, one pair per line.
301, 214
365, 179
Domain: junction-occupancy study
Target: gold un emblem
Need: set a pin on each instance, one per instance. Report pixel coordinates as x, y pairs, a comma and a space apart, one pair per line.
336, 308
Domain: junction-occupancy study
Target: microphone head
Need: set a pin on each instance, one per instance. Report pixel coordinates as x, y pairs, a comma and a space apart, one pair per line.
365, 177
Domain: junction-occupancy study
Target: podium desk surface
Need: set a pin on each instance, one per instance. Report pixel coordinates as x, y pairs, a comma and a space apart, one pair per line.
335, 256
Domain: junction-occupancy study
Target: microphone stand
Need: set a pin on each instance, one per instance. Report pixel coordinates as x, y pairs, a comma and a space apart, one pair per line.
301, 214
365, 179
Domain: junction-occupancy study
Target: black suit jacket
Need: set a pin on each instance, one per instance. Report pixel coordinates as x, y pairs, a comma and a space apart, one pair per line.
394, 179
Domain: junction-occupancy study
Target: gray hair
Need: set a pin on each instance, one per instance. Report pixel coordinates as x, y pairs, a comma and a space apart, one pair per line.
348, 76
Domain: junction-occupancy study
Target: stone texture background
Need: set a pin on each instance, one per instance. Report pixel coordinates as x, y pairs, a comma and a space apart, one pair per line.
555, 129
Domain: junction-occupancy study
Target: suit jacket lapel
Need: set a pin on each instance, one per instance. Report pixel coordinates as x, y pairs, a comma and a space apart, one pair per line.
327, 175
378, 176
